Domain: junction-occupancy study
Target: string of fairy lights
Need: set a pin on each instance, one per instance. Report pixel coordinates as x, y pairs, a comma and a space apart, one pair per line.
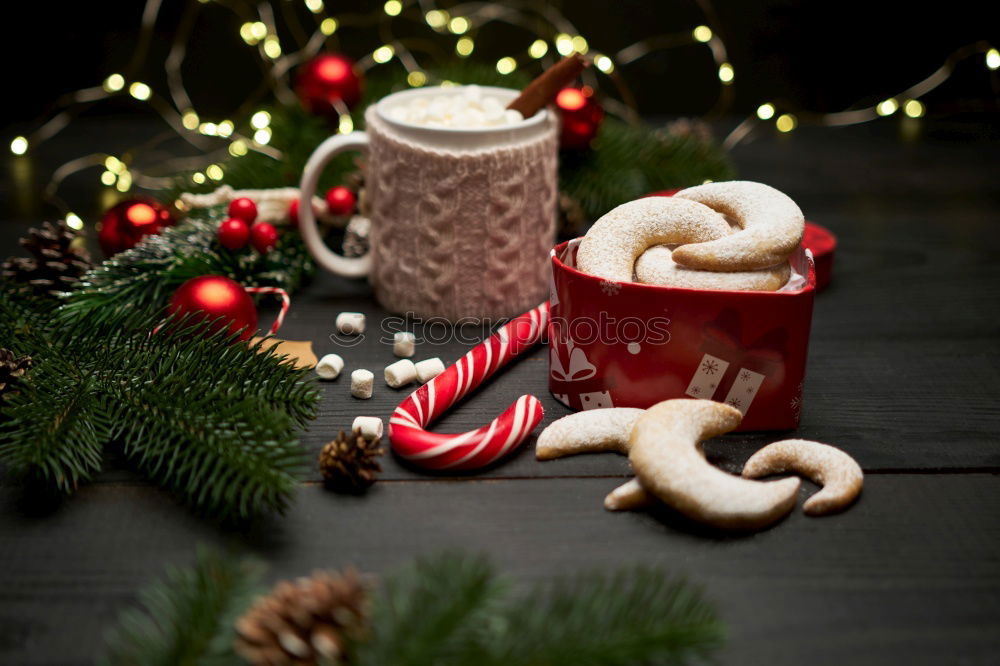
549, 35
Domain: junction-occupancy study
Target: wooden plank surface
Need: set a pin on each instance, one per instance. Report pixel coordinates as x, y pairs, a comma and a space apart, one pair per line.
903, 374
913, 568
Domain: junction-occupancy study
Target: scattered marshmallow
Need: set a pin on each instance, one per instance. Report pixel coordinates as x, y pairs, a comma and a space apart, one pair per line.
329, 366
400, 373
467, 107
351, 323
429, 369
403, 344
362, 384
369, 427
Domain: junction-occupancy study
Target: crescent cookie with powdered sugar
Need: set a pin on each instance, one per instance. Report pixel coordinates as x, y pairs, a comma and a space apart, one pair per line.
838, 473
616, 240
656, 266
771, 227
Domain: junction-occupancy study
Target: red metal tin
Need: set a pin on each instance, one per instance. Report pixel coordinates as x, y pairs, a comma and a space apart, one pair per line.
624, 344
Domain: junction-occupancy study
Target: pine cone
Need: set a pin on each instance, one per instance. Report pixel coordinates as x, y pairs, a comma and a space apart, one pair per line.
305, 622
55, 265
571, 217
11, 370
350, 462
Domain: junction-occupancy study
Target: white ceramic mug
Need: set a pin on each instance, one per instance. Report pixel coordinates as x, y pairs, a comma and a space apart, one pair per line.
462, 219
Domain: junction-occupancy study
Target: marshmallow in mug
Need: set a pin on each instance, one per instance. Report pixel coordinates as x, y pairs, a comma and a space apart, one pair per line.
467, 107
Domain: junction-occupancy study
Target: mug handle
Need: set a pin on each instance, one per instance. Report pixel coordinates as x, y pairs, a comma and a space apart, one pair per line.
331, 261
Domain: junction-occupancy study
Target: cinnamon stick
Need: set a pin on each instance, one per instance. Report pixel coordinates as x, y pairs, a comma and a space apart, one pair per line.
546, 86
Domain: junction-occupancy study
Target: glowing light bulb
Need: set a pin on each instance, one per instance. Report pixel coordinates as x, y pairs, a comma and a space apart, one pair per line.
328, 26
272, 47
140, 91
538, 48
208, 129
416, 79
19, 145
579, 44
73, 221
189, 119
258, 30
315, 6
393, 7
112, 163
383, 54
914, 108
993, 59
506, 65
214, 171
564, 44
262, 136
246, 33
108, 178
458, 25
198, 177
238, 148
124, 182
571, 99
765, 111
887, 107
225, 128
726, 73
464, 46
114, 83
345, 125
436, 18
786, 122
604, 63
702, 34
260, 120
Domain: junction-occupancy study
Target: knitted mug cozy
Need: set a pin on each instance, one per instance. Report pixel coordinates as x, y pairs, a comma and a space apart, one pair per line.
461, 234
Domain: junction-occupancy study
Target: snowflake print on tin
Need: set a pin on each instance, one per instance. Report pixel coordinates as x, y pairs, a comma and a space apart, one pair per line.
735, 402
610, 288
709, 367
745, 376
696, 390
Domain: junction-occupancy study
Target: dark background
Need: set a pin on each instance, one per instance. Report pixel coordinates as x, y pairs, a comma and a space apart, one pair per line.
821, 56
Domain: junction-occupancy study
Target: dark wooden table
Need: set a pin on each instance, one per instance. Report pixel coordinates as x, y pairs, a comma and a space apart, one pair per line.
903, 374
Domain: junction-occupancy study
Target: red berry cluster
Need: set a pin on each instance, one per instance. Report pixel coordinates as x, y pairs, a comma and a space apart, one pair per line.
340, 201
236, 230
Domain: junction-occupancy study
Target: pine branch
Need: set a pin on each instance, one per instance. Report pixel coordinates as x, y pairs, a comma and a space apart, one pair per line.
145, 276
434, 611
215, 421
210, 418
448, 610
630, 161
185, 619
631, 616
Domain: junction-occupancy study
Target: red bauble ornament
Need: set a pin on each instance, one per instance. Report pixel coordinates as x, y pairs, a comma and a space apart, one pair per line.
326, 78
340, 201
244, 209
216, 296
580, 117
234, 233
124, 224
263, 236
293, 213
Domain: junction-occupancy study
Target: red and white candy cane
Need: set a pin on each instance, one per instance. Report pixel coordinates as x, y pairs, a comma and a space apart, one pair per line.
285, 303
485, 445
